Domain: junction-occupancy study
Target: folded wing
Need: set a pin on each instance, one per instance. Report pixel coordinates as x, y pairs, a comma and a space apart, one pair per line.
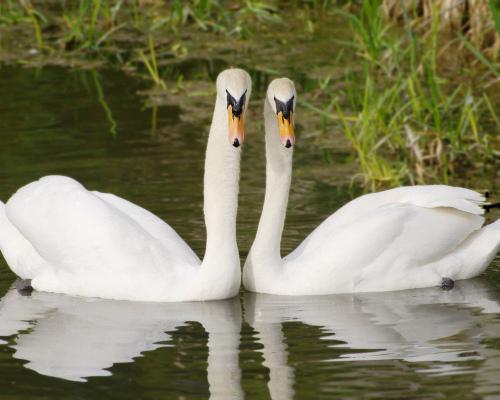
383, 241
88, 237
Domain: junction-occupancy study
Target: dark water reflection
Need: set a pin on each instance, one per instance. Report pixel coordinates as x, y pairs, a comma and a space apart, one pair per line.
92, 126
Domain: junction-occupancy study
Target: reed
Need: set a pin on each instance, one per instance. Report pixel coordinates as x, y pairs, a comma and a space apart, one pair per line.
151, 64
90, 23
479, 19
406, 121
35, 18
12, 12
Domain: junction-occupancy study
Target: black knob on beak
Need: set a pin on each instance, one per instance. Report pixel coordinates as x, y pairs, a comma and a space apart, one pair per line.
236, 142
288, 144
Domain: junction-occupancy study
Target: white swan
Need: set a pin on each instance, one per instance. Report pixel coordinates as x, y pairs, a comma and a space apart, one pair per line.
69, 240
408, 237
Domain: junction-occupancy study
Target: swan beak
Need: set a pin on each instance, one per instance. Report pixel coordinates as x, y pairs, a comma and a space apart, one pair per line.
287, 131
236, 132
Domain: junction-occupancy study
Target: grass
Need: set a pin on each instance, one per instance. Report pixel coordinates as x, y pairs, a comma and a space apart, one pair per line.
14, 12
407, 119
409, 132
36, 18
89, 30
89, 23
152, 65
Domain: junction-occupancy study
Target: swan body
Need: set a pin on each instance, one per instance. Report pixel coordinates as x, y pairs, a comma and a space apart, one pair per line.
69, 240
403, 238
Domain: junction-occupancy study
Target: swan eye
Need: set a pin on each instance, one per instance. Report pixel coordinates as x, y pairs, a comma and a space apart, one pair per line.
235, 118
284, 112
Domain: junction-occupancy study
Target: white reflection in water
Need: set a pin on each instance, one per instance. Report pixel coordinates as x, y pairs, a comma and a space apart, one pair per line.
75, 338
414, 325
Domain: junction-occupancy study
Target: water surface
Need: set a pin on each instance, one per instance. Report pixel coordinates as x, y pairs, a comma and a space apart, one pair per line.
94, 127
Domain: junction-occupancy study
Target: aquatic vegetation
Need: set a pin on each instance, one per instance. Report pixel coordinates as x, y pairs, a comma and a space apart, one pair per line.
152, 65
409, 111
90, 23
410, 133
476, 18
36, 18
214, 15
12, 12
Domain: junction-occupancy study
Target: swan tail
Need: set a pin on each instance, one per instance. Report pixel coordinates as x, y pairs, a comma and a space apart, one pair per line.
434, 196
478, 251
19, 254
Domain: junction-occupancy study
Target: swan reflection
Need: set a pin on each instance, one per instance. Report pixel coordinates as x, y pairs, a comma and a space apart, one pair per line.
75, 338
414, 325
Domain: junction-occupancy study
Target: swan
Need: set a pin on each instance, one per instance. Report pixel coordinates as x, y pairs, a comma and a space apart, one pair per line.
69, 240
403, 238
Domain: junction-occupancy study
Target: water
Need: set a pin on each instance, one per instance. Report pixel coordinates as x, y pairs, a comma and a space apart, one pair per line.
94, 127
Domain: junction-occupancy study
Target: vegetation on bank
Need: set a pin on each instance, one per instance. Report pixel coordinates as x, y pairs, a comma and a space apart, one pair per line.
422, 103
414, 91
87, 25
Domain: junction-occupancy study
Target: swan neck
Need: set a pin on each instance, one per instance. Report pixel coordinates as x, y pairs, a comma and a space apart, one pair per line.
266, 247
221, 186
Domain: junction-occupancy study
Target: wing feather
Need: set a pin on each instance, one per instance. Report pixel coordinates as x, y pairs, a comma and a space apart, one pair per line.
428, 196
77, 231
155, 226
377, 241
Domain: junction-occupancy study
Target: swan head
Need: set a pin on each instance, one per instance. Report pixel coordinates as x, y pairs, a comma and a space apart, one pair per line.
234, 87
282, 97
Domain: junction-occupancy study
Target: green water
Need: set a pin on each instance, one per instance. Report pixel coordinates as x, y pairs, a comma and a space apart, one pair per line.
95, 128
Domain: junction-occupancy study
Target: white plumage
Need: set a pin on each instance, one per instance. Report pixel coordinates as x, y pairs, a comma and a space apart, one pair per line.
408, 237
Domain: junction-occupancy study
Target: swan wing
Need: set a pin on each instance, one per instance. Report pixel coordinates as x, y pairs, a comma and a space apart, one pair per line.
94, 244
383, 240
428, 196
155, 226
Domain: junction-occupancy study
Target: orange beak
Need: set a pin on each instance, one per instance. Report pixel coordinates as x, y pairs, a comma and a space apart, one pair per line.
236, 132
287, 131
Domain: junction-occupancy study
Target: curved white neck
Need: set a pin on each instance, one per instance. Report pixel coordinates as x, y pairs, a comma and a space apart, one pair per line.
266, 247
222, 172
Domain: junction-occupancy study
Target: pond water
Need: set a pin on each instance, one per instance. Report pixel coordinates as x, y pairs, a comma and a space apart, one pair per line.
94, 127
